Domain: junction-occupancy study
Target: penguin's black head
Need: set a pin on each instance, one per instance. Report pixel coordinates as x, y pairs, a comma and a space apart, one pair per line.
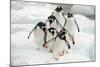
42, 26
63, 31
52, 30
51, 19
62, 36
59, 9
70, 14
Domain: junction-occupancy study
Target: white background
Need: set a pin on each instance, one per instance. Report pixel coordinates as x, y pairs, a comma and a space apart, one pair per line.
5, 34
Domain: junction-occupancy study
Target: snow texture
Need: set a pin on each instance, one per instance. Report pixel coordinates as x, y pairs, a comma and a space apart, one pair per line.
84, 10
24, 51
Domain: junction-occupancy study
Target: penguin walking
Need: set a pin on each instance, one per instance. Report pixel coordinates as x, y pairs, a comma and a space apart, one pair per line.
51, 33
71, 26
59, 14
67, 34
53, 22
60, 45
39, 34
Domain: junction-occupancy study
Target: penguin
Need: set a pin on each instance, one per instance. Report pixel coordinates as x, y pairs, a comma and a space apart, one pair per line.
59, 14
61, 45
51, 33
53, 22
71, 26
39, 34
67, 34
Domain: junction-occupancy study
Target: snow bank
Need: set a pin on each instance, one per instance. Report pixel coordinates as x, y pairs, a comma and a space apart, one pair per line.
85, 23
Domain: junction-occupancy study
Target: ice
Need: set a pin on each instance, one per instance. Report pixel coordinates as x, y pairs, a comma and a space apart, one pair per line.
24, 50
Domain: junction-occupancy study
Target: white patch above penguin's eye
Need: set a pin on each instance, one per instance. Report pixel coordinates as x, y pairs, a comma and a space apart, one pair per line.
42, 27
62, 36
51, 30
52, 19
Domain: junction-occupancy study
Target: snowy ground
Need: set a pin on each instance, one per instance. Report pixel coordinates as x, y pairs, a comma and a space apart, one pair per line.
23, 50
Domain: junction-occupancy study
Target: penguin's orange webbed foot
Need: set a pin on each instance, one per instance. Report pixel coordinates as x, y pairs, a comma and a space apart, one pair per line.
56, 59
61, 54
50, 50
45, 46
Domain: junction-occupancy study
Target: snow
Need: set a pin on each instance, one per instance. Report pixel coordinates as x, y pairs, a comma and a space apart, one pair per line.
24, 51
84, 10
30, 12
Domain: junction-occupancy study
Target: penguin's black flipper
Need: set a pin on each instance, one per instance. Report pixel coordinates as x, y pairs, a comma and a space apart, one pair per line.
77, 25
68, 46
73, 43
65, 19
58, 23
31, 32
71, 38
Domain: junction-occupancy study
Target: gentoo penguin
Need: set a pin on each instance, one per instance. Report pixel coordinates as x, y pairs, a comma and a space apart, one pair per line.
61, 45
39, 34
67, 34
59, 14
51, 33
53, 22
71, 25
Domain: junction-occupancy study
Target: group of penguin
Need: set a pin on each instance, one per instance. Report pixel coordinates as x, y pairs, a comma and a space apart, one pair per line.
56, 32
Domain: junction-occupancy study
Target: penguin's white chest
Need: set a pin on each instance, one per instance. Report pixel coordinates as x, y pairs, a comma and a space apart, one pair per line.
49, 37
39, 36
70, 25
59, 17
59, 46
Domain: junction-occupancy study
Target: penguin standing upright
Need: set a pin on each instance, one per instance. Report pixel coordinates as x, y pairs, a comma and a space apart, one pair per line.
51, 33
59, 14
61, 45
71, 25
39, 34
